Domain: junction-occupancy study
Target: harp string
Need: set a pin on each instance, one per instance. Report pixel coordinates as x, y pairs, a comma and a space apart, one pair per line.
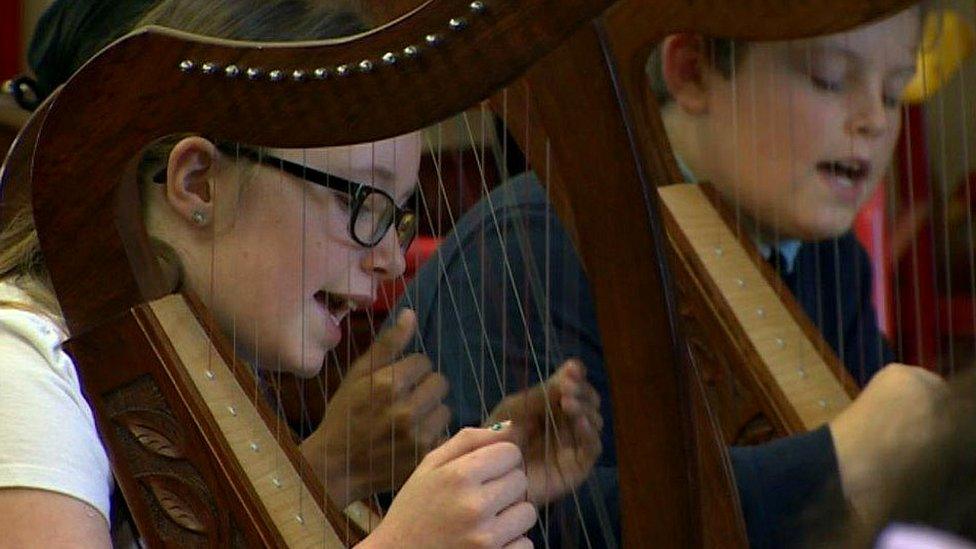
880, 309
912, 238
932, 201
928, 203
934, 147
835, 242
552, 353
967, 193
947, 364
959, 279
452, 309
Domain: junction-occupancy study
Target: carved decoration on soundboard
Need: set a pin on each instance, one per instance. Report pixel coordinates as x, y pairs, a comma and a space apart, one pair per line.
156, 432
736, 407
154, 449
178, 501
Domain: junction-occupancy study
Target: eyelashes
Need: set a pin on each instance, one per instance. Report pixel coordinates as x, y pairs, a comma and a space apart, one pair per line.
837, 86
827, 84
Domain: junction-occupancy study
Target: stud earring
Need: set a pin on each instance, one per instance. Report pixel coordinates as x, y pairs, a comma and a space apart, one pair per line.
199, 218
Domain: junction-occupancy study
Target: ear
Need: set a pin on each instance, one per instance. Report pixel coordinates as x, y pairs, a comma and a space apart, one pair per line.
192, 166
683, 64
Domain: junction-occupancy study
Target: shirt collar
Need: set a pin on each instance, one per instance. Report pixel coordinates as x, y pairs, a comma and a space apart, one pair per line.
788, 248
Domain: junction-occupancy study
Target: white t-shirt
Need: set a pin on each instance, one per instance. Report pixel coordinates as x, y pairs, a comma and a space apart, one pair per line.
48, 438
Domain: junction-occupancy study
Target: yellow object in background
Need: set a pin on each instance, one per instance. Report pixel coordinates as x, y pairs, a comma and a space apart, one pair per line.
947, 40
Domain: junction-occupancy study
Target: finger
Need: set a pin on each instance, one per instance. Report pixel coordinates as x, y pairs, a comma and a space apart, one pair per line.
514, 522
578, 398
566, 376
490, 462
506, 490
466, 441
585, 433
573, 368
570, 387
596, 418
402, 376
571, 405
590, 395
521, 543
432, 427
428, 395
567, 380
388, 345
589, 406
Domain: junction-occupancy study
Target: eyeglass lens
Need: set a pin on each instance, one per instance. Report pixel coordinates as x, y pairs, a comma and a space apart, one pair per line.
375, 214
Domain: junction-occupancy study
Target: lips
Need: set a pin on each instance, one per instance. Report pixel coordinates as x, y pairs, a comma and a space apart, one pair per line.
847, 177
336, 306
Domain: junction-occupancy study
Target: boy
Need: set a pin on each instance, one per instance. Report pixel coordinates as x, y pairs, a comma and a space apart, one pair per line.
802, 141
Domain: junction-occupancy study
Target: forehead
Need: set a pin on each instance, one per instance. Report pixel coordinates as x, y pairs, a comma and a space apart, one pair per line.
391, 164
894, 40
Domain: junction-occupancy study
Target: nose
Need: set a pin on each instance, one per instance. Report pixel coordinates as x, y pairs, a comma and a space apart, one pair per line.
386, 259
868, 116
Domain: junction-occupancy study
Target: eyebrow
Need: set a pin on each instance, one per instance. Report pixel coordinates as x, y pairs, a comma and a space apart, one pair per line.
380, 177
375, 174
851, 54
357, 176
301, 171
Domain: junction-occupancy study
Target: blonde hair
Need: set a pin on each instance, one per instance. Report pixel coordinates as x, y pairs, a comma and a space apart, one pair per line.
21, 264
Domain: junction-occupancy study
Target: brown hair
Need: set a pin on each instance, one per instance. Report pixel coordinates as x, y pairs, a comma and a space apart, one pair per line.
724, 55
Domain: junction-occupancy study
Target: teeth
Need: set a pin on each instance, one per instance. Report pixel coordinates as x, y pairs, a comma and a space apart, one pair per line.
850, 170
336, 305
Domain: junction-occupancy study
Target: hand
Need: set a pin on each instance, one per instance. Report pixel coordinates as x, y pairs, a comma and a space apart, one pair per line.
560, 460
384, 416
883, 432
468, 493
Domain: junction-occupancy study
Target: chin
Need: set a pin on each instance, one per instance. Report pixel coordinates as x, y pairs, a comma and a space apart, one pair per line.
309, 367
822, 229
308, 371
295, 363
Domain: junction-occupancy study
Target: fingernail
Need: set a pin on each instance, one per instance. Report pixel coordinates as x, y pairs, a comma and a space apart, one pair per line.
500, 425
402, 317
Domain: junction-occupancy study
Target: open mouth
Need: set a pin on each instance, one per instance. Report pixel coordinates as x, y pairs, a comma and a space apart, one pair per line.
849, 172
336, 305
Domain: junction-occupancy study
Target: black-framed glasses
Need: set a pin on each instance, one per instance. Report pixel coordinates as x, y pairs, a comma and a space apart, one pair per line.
372, 211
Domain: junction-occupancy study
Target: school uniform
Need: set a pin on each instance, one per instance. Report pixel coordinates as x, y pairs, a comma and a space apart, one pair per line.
501, 244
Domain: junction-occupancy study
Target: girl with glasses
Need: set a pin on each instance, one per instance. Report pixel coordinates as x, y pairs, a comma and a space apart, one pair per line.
282, 245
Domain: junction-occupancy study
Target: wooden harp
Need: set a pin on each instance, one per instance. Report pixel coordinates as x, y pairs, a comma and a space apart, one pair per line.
186, 477
734, 311
766, 369
123, 334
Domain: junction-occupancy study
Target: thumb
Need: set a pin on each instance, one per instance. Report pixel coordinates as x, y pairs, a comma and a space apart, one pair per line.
531, 405
469, 440
571, 371
388, 345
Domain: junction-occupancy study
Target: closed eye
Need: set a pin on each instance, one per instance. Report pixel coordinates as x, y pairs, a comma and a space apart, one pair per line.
826, 84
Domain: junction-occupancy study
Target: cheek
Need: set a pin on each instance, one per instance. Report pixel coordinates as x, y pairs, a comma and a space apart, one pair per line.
776, 122
815, 126
330, 261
